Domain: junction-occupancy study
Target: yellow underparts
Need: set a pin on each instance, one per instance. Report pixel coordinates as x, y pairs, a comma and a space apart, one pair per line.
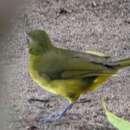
69, 89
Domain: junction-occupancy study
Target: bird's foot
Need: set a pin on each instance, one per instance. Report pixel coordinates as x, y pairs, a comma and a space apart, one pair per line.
56, 116
52, 118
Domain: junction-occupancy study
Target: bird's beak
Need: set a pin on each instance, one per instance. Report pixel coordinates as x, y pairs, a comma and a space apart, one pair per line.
28, 39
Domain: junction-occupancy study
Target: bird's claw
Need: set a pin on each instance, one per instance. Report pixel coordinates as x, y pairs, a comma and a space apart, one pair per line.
54, 117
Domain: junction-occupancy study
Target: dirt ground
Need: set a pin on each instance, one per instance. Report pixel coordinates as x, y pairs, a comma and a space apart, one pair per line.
101, 25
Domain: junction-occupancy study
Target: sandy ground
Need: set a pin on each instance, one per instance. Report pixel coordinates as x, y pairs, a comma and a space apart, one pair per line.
101, 25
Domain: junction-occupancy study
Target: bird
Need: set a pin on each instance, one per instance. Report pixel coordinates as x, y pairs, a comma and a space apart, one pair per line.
67, 73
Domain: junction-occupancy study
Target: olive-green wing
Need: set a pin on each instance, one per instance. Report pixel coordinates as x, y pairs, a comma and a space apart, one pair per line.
79, 66
66, 64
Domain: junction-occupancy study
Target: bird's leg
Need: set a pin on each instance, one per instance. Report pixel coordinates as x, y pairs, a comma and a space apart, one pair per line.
56, 116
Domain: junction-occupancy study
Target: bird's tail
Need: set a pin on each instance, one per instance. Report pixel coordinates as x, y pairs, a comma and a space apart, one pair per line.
121, 63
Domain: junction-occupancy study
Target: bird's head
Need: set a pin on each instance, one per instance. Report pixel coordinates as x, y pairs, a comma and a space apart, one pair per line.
38, 42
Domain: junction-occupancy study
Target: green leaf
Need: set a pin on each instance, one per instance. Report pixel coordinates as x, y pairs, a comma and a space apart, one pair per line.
119, 123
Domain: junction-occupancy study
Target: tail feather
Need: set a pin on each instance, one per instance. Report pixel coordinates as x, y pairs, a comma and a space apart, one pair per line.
121, 63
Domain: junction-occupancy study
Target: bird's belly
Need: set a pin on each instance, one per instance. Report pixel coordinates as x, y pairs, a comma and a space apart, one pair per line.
70, 89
